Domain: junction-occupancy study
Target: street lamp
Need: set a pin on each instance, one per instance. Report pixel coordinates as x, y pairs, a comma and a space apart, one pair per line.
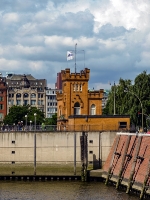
139, 101
30, 124
26, 121
114, 98
35, 121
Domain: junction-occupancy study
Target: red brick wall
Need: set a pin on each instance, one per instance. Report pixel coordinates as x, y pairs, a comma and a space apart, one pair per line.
140, 167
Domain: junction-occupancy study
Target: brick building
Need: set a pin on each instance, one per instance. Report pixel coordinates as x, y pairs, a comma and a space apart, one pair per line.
80, 109
58, 84
3, 98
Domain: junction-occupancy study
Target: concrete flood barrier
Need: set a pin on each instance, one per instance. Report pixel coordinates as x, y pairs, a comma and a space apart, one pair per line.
49, 154
128, 163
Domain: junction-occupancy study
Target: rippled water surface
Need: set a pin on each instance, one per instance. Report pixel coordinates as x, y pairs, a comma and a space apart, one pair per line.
60, 190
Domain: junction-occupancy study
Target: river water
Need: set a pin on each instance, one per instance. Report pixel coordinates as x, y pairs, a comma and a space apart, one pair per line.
60, 190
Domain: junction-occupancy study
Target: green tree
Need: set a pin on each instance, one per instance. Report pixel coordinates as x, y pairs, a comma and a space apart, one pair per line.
131, 101
51, 121
17, 113
121, 106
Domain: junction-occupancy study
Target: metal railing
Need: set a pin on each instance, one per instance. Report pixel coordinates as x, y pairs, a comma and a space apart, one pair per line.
62, 128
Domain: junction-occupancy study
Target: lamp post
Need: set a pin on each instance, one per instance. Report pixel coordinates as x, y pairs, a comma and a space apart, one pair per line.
26, 121
30, 124
35, 121
21, 126
139, 101
114, 98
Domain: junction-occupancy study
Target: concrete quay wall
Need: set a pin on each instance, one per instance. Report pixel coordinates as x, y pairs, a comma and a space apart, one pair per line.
51, 152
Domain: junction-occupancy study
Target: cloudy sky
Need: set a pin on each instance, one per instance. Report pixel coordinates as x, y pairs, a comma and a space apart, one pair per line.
112, 36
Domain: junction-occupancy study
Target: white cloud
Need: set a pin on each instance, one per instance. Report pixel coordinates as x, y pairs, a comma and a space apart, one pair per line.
10, 18
114, 35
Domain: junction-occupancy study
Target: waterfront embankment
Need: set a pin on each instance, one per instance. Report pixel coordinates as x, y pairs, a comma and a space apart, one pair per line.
51, 153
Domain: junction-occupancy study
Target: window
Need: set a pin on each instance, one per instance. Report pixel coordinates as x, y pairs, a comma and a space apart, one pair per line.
18, 102
10, 102
80, 87
25, 102
1, 116
93, 109
18, 95
33, 95
1, 98
40, 102
122, 124
74, 87
1, 106
33, 102
25, 95
11, 95
77, 108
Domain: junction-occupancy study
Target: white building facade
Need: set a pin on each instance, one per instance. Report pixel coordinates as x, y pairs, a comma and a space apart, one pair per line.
51, 102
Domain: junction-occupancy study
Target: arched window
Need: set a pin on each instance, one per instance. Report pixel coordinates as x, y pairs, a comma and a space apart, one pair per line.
93, 109
18, 95
77, 108
25, 95
33, 95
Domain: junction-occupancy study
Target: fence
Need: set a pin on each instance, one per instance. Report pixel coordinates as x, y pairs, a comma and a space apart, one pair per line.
52, 128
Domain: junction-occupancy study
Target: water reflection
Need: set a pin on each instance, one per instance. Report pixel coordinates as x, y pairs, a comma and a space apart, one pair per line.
60, 190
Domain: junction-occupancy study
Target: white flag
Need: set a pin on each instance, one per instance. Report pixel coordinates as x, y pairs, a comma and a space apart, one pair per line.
69, 55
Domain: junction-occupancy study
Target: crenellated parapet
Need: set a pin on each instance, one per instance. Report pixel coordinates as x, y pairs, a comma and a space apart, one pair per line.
83, 75
95, 94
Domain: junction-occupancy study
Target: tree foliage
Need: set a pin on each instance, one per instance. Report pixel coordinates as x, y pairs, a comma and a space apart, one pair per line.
51, 121
131, 101
17, 114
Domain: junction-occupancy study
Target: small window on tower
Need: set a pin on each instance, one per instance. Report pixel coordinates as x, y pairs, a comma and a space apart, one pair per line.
80, 87
74, 87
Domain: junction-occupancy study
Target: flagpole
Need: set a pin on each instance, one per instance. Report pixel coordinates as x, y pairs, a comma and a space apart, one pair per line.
84, 57
75, 56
